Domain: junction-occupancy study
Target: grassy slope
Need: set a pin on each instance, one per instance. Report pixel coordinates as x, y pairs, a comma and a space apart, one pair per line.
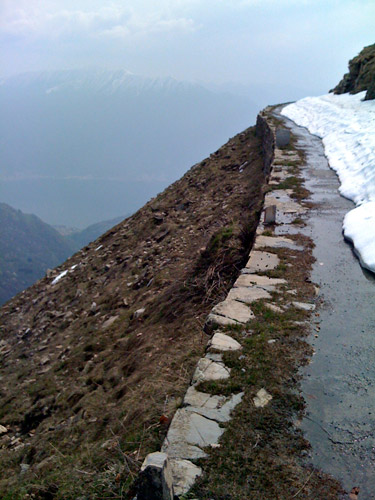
83, 399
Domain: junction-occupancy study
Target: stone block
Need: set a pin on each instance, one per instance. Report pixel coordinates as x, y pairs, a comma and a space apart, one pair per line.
282, 137
222, 342
304, 306
234, 310
184, 475
222, 411
210, 370
270, 215
248, 294
215, 321
262, 398
155, 479
261, 261
276, 242
189, 432
264, 282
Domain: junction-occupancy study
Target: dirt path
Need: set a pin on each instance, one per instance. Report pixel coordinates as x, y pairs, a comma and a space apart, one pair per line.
338, 385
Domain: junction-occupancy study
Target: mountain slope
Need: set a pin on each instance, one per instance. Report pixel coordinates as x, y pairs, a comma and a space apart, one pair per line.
361, 75
97, 356
90, 233
99, 143
28, 247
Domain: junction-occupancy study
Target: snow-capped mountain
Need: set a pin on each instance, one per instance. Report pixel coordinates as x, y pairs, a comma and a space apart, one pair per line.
80, 146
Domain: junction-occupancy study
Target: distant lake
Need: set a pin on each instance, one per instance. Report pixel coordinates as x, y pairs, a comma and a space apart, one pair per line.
76, 202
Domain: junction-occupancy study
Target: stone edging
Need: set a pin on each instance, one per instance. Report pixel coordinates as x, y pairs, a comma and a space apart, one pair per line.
196, 425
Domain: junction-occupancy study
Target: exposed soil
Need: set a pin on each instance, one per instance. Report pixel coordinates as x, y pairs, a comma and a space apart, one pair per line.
89, 379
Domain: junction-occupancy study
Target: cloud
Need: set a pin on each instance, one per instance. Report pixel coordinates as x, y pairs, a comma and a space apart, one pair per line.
116, 21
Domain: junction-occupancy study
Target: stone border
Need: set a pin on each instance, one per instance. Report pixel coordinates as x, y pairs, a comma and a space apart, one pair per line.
196, 425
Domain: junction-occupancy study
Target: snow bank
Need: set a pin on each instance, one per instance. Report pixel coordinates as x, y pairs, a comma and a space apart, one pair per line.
346, 125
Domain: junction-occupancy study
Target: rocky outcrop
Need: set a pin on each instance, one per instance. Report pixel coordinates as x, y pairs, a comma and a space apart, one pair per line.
361, 75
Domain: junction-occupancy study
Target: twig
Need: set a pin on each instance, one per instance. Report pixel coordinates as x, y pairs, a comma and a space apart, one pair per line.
84, 472
56, 449
299, 491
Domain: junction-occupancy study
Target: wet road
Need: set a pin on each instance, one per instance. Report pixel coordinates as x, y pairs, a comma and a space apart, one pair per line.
339, 384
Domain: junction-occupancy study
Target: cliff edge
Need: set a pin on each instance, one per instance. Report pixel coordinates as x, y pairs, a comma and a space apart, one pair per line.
361, 75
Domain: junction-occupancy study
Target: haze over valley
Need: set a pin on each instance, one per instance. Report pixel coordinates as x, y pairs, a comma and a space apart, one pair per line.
83, 146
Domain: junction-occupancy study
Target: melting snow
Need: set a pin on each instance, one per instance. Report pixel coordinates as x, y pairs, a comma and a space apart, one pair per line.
346, 125
64, 273
58, 277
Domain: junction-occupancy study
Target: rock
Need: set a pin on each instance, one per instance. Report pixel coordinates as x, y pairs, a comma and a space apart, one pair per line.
262, 398
215, 321
304, 306
24, 468
184, 475
3, 430
210, 370
276, 242
139, 312
182, 450
218, 409
190, 429
109, 322
247, 295
214, 356
274, 308
44, 360
264, 282
234, 310
222, 342
155, 479
202, 399
261, 261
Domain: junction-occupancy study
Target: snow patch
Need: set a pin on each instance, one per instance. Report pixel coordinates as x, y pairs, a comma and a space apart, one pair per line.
58, 277
346, 125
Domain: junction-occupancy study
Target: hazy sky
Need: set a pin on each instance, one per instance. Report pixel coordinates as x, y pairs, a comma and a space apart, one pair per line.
304, 43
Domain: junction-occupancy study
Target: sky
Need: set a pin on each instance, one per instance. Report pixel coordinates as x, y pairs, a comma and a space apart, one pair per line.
300, 43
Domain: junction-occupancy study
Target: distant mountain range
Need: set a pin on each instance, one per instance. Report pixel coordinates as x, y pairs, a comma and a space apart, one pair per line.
81, 146
91, 233
29, 246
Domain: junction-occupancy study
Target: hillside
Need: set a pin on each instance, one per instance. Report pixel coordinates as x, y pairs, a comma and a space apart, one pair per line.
92, 232
28, 247
97, 356
361, 75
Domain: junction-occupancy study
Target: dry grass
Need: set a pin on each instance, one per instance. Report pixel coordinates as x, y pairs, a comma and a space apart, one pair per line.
84, 401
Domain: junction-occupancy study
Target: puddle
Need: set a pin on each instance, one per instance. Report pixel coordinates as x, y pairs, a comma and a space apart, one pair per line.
339, 384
